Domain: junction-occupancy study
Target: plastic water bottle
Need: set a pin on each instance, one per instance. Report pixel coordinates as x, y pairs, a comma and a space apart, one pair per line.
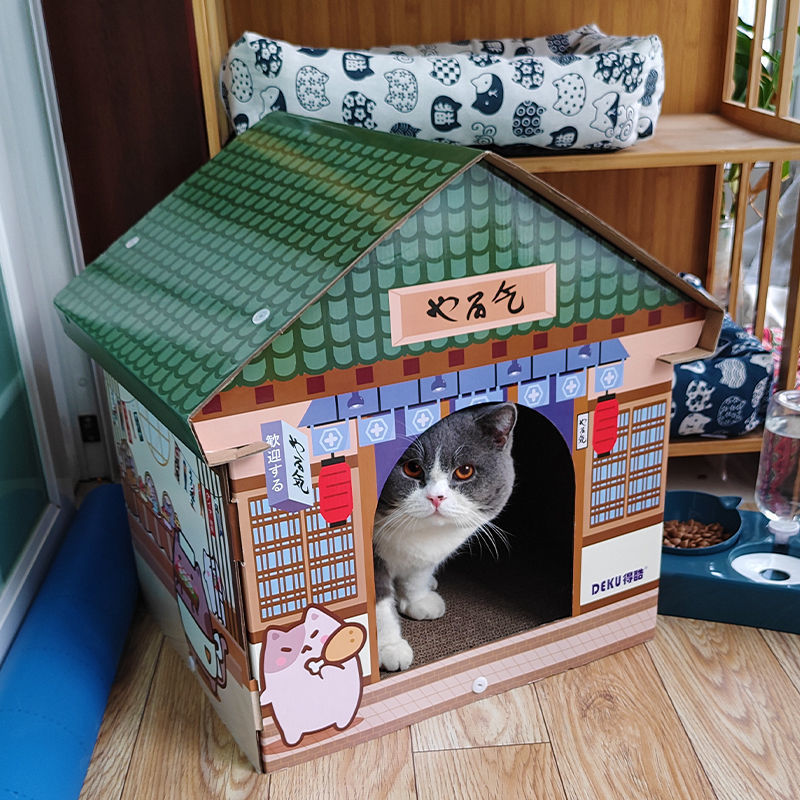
778, 483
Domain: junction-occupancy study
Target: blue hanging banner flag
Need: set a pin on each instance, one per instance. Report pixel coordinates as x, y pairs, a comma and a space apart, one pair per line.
609, 377
535, 393
570, 386
330, 439
491, 396
376, 430
419, 419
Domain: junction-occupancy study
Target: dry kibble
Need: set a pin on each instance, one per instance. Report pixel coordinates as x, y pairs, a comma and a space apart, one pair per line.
691, 533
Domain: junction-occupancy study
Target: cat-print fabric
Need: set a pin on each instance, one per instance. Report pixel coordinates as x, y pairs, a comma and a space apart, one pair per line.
580, 90
726, 395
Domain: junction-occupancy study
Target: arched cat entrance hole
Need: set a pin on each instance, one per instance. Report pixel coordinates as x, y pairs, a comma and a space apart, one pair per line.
527, 583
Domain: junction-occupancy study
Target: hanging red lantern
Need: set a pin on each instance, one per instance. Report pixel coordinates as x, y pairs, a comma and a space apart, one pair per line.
335, 491
604, 431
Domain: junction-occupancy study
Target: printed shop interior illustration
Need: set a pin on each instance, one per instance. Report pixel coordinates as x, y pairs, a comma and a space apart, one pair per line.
396, 283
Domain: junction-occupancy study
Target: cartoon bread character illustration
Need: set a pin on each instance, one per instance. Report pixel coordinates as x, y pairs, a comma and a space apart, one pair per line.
312, 674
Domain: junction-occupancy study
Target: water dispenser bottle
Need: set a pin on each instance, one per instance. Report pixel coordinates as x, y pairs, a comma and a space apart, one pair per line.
778, 483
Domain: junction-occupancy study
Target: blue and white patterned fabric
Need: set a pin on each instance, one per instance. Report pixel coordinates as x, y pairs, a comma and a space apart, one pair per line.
580, 90
727, 394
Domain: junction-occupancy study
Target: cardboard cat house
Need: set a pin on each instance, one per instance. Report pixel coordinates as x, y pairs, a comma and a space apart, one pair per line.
280, 328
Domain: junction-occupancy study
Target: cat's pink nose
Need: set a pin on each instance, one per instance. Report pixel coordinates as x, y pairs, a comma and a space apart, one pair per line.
436, 500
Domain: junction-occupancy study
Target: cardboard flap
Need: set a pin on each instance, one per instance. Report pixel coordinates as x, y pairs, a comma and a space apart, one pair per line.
695, 354
217, 457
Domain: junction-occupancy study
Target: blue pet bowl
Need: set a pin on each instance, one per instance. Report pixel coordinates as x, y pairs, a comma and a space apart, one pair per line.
705, 508
706, 586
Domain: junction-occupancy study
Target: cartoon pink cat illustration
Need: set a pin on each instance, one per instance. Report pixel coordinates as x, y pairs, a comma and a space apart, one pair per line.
312, 674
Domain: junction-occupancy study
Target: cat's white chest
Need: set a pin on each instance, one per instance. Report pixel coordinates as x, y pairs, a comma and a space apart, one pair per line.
420, 545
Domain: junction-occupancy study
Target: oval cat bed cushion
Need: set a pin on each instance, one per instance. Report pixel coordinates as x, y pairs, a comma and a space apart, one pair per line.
579, 90
55, 680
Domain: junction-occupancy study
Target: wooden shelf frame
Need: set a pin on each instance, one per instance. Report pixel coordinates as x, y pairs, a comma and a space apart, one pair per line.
700, 128
680, 140
764, 124
702, 446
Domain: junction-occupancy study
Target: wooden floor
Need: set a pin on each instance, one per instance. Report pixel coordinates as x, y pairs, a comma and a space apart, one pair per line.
703, 711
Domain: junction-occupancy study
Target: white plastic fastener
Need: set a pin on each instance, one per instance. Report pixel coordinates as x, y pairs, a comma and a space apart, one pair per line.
132, 242
262, 315
479, 685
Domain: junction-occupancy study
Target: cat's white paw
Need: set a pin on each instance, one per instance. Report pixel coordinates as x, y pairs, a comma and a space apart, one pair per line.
395, 656
428, 606
433, 583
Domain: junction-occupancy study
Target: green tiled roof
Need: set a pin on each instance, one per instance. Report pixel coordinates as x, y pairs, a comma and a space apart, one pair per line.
480, 222
269, 223
249, 262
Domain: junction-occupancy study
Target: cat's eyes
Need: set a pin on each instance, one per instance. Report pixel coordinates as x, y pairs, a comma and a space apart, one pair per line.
413, 469
464, 472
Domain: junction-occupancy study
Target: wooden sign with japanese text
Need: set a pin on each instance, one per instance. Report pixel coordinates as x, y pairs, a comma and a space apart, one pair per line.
447, 308
287, 467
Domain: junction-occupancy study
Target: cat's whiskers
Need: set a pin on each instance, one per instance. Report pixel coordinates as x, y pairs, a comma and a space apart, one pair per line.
487, 534
399, 522
396, 522
457, 453
414, 445
388, 525
495, 538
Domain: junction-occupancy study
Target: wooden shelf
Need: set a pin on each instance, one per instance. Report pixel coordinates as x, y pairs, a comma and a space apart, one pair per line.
699, 446
680, 140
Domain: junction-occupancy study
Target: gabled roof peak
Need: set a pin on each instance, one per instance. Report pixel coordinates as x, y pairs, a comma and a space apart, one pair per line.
234, 256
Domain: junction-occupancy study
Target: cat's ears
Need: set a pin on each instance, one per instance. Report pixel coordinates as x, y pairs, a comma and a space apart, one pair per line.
498, 421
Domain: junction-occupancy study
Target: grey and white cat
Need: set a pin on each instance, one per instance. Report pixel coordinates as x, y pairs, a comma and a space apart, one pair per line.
447, 486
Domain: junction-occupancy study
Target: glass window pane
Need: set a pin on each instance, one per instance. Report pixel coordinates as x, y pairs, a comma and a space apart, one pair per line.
23, 493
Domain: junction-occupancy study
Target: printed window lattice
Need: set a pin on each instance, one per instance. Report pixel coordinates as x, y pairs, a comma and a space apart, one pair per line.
608, 478
331, 557
279, 560
647, 449
300, 559
627, 483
